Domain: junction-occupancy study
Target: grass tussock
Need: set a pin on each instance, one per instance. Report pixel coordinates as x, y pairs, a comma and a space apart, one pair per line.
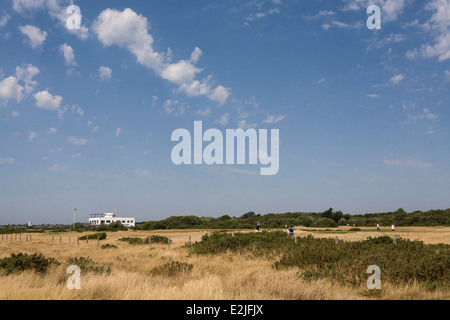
248, 266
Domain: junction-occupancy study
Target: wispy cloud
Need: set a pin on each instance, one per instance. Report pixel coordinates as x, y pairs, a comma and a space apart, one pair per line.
409, 162
7, 160
77, 141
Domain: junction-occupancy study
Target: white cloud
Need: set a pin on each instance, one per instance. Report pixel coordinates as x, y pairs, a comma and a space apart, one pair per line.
22, 6
36, 37
78, 110
197, 88
373, 95
58, 168
4, 19
320, 14
181, 73
260, 15
118, 132
342, 25
104, 73
244, 125
439, 27
410, 162
69, 55
143, 173
397, 79
77, 141
430, 130
273, 119
47, 101
129, 30
426, 114
52, 131
380, 43
195, 55
31, 136
10, 89
54, 9
224, 119
7, 160
15, 113
321, 81
26, 74
203, 113
390, 9
168, 106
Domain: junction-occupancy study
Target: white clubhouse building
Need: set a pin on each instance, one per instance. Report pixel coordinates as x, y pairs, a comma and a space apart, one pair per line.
99, 219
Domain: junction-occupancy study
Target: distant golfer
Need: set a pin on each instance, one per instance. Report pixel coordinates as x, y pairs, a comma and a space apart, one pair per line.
291, 231
378, 227
257, 227
393, 228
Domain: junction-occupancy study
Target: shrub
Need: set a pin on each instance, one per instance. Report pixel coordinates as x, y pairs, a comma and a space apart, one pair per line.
221, 242
112, 227
95, 236
108, 246
324, 222
401, 263
346, 262
155, 239
88, 265
17, 263
174, 268
9, 230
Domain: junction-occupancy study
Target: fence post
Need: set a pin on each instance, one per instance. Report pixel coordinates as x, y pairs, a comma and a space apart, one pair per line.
26, 241
232, 234
60, 239
394, 240
30, 237
295, 239
20, 237
336, 240
98, 241
87, 239
189, 241
78, 241
150, 242
168, 242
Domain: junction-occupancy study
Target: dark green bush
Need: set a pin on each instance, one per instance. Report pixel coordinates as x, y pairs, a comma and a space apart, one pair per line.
108, 246
346, 262
112, 227
221, 242
154, 239
174, 268
17, 263
10, 230
95, 236
88, 265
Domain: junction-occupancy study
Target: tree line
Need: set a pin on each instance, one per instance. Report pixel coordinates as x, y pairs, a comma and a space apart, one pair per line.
327, 218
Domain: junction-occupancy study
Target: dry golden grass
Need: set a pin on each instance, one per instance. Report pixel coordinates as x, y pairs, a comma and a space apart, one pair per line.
218, 277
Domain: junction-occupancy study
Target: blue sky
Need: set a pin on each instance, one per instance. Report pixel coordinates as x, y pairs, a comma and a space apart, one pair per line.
86, 116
